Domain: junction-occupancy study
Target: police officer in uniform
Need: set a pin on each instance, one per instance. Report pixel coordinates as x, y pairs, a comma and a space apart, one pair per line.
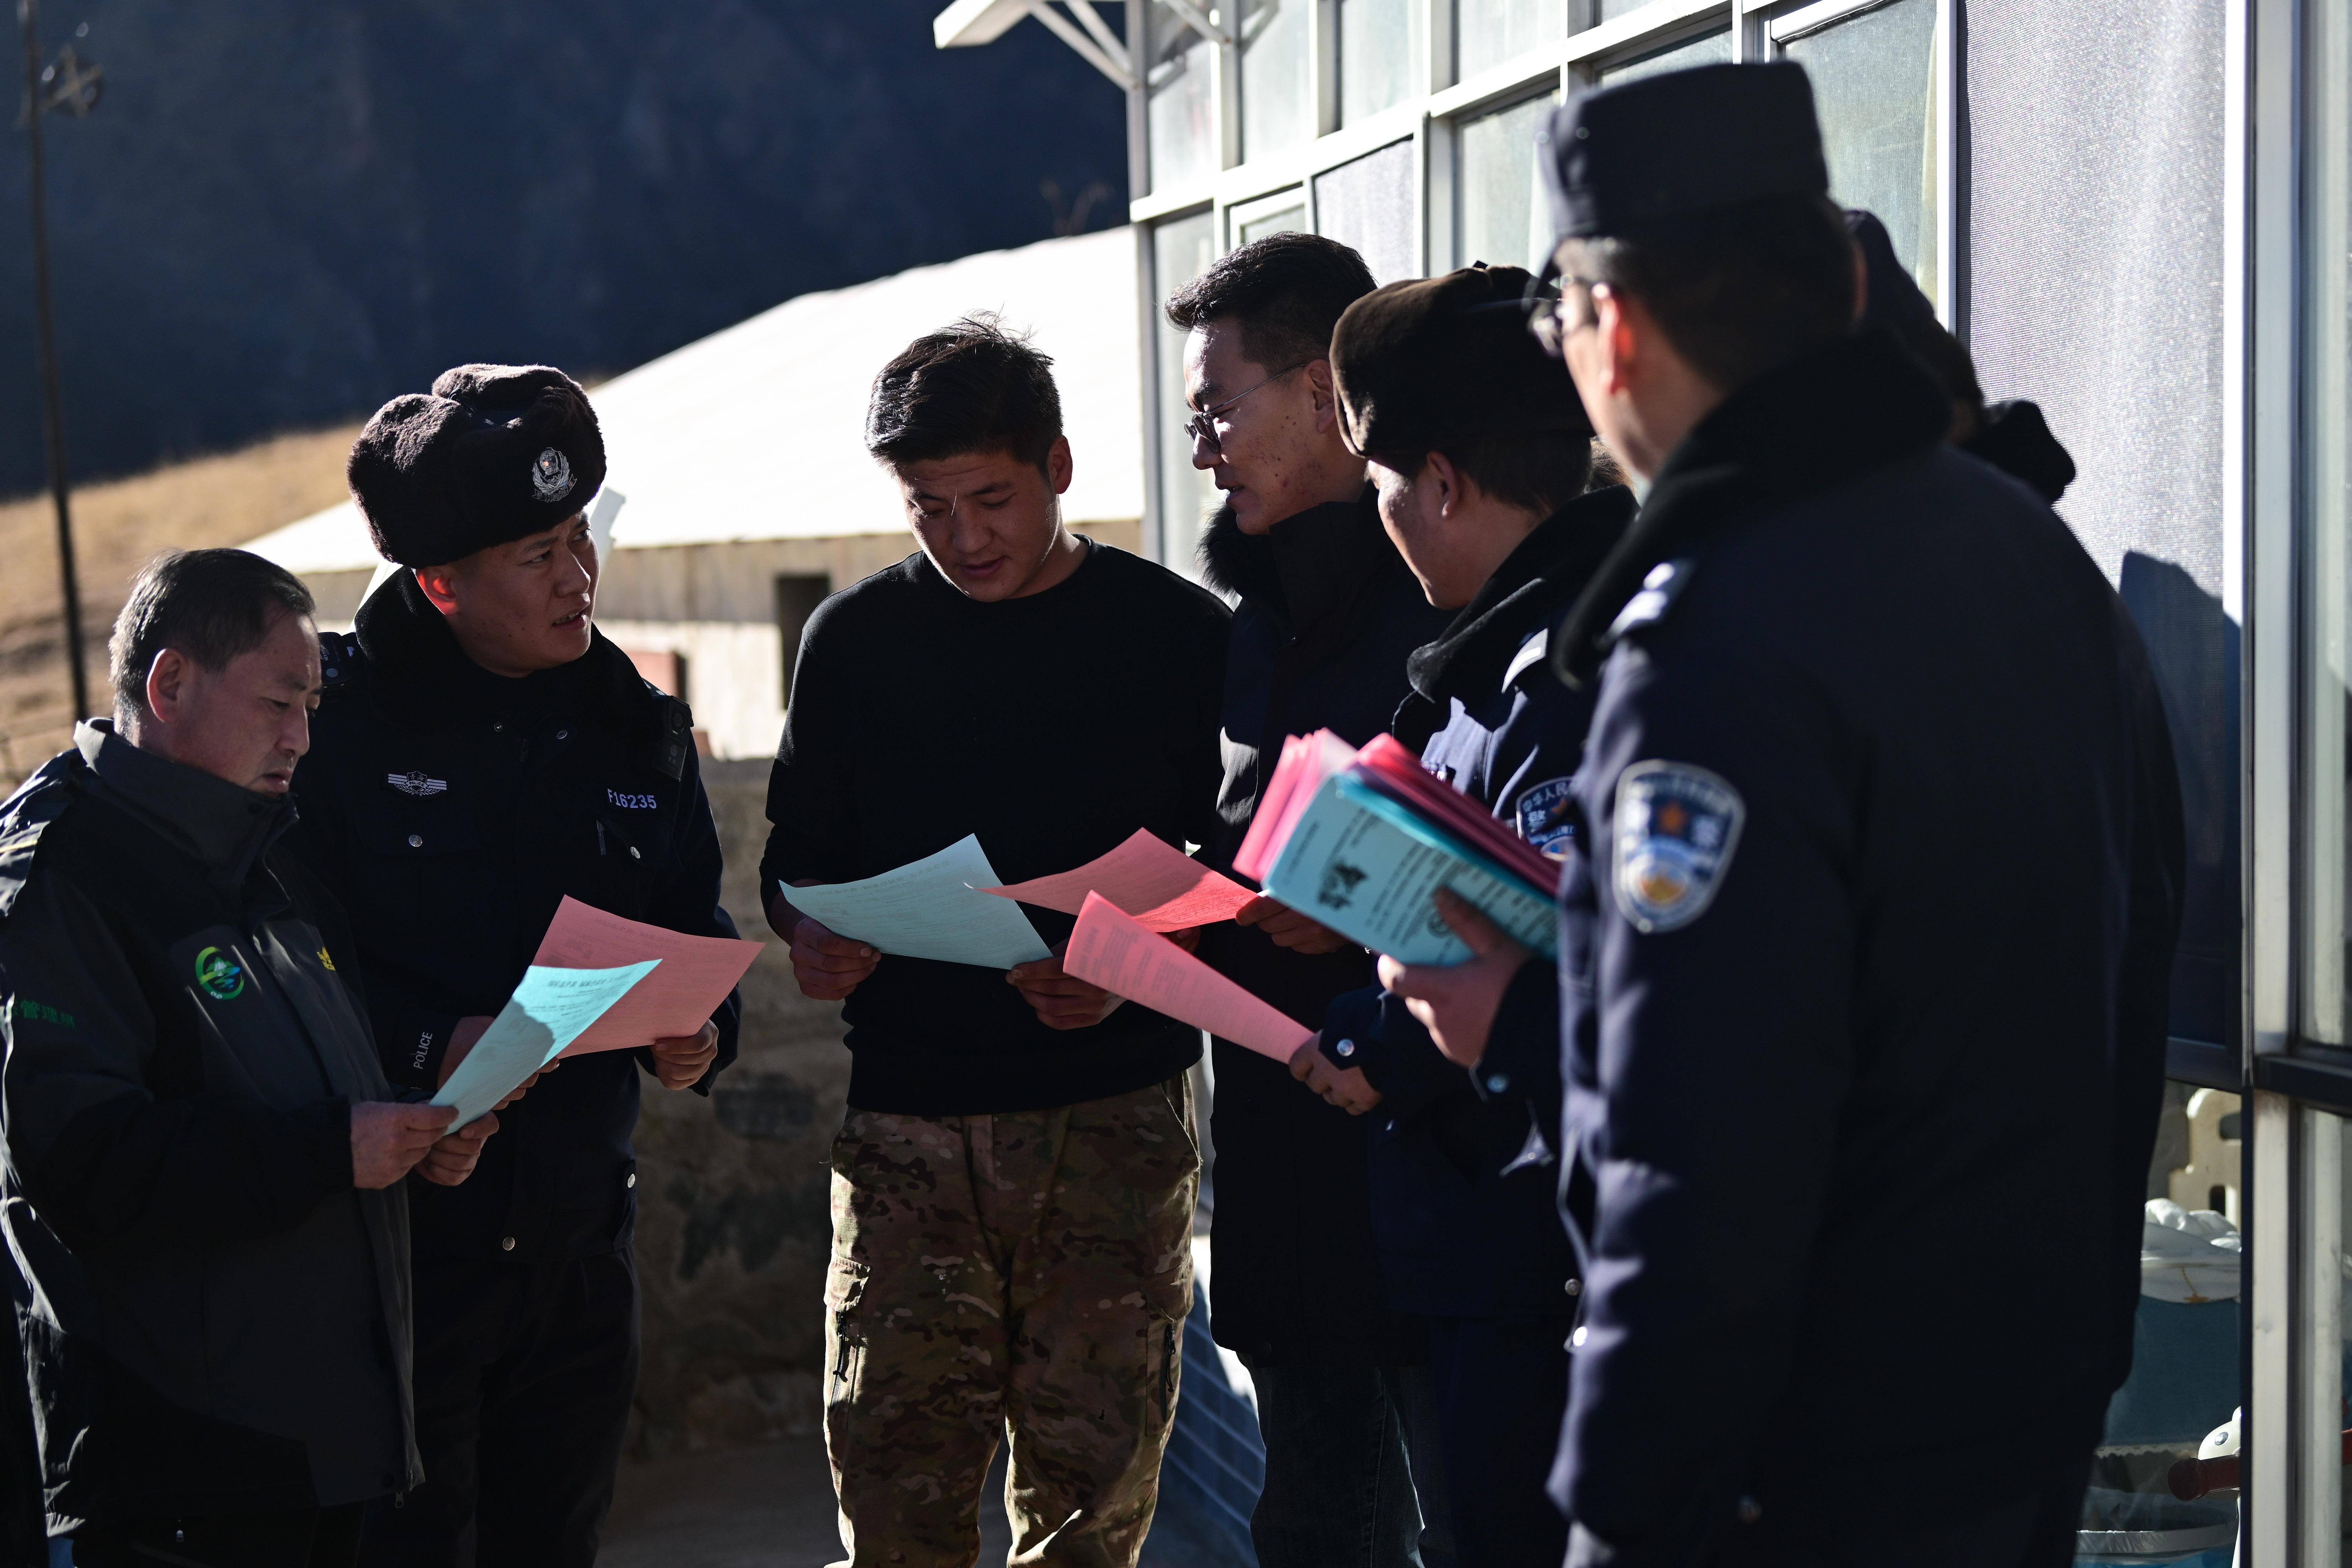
481, 753
1481, 454
1868, 922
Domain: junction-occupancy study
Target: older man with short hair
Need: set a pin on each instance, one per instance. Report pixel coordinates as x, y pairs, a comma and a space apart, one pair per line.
203, 1163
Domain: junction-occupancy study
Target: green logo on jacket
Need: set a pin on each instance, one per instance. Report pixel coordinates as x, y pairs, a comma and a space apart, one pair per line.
221, 975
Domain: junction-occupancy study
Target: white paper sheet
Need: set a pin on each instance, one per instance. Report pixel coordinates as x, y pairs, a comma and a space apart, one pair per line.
548, 1011
930, 908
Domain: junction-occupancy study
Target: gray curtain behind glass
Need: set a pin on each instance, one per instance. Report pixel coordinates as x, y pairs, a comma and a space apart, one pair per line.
2095, 149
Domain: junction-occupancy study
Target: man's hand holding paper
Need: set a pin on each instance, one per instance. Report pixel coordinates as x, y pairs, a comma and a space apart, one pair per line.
1457, 1003
550, 1008
1287, 928
826, 965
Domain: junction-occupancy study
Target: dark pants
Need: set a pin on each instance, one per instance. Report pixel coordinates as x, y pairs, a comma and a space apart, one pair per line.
524, 1374
2036, 1531
1352, 1473
1501, 1389
296, 1538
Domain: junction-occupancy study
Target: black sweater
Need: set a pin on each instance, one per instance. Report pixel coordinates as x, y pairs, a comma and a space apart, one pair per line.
1053, 726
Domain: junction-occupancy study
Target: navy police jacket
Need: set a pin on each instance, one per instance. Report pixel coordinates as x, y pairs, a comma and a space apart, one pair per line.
451, 810
1461, 1183
1867, 938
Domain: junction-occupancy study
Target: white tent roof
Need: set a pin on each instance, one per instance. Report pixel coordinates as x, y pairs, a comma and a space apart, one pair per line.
758, 431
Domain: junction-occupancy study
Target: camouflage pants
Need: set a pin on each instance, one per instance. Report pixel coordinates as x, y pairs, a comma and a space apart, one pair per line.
1025, 1273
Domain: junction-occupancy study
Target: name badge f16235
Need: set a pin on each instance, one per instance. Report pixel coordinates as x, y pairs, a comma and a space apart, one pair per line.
1677, 827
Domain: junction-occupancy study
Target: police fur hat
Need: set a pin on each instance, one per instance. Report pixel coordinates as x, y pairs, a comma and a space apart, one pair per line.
1423, 366
493, 453
1617, 159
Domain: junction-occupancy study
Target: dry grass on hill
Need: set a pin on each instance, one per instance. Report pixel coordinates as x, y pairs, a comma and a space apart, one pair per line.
118, 526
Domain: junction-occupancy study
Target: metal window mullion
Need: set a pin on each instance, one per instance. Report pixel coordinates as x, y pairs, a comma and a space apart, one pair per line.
2266, 1442
1324, 65
1950, 160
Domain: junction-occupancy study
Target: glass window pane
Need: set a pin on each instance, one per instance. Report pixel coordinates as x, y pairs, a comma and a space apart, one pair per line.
1707, 49
1380, 56
1277, 110
1488, 32
1874, 88
1368, 204
1502, 217
1181, 250
1257, 222
1179, 127
2180, 1401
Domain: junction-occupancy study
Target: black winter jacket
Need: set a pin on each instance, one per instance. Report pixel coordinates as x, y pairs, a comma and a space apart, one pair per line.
218, 1320
452, 809
1329, 613
1868, 938
1463, 1182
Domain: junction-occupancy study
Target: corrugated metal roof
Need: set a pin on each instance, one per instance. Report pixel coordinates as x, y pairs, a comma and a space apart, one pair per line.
758, 431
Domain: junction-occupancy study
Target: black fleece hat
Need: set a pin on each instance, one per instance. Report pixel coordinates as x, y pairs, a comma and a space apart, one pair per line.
1618, 158
1424, 364
493, 453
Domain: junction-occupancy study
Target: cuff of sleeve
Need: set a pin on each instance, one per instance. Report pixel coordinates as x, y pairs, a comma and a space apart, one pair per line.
415, 1062
1524, 1038
1351, 1030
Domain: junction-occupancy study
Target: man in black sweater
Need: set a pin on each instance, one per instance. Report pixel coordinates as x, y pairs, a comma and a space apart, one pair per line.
1015, 1182
1329, 613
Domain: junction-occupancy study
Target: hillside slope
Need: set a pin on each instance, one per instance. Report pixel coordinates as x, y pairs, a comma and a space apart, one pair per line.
286, 211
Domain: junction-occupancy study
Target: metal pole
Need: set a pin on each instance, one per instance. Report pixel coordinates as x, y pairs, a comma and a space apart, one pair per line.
53, 417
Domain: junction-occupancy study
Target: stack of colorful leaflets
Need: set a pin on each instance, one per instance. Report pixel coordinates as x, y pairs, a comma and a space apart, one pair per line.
1361, 841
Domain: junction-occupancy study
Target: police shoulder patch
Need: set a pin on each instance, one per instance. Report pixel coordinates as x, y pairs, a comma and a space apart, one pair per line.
1543, 818
1675, 827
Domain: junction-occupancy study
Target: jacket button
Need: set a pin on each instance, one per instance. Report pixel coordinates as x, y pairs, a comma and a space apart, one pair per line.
507, 1244
1575, 1341
1574, 1287
1345, 1047
417, 841
564, 734
1496, 1083
632, 853
1750, 1511
632, 1181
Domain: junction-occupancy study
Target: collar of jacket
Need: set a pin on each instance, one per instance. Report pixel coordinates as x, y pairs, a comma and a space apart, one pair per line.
1534, 584
1307, 567
224, 826
1811, 426
418, 665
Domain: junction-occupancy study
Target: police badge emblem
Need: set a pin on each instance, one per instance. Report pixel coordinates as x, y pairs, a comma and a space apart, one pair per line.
1677, 827
414, 783
1543, 818
551, 475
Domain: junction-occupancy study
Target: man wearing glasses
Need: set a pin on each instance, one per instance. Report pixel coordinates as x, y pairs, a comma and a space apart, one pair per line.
1327, 613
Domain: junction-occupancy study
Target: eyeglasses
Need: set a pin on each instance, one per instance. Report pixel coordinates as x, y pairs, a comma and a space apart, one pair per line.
1543, 303
1202, 426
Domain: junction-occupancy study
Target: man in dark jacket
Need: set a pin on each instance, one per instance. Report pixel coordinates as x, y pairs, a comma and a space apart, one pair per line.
1328, 615
1480, 452
1878, 824
203, 1181
483, 752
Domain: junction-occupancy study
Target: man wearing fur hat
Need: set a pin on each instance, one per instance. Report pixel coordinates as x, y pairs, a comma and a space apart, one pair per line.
481, 753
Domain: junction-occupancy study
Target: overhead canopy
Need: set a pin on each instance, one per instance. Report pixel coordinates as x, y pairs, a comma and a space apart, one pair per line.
758, 431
